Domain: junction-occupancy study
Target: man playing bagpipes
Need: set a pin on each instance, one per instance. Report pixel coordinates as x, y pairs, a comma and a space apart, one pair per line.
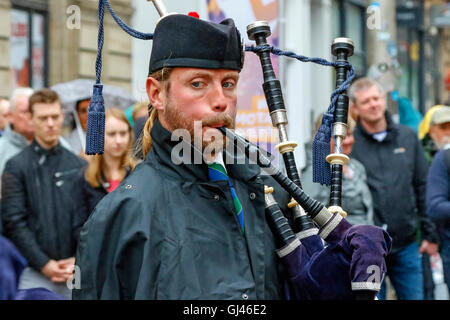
189, 222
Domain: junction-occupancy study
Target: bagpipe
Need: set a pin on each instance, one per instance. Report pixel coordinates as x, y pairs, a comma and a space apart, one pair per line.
352, 263
325, 257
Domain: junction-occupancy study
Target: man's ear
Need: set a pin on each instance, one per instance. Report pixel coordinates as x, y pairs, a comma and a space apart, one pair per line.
353, 109
432, 132
155, 93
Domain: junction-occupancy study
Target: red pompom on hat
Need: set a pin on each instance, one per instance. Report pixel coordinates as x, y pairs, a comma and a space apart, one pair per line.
194, 14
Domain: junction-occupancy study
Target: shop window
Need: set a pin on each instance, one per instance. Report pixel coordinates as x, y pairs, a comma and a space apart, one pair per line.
348, 20
28, 48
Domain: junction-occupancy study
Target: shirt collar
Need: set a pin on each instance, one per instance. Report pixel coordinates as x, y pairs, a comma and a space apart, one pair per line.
390, 128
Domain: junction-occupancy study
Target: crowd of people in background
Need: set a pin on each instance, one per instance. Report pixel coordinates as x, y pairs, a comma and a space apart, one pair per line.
49, 186
398, 178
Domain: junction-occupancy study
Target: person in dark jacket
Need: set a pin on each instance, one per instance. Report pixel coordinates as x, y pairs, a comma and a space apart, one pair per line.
41, 207
396, 175
438, 184
432, 134
106, 171
170, 231
438, 202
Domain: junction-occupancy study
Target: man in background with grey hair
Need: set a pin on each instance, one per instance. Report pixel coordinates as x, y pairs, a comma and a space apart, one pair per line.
396, 174
440, 127
19, 132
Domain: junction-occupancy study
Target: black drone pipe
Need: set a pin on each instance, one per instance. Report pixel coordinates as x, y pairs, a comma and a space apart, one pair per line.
259, 31
342, 48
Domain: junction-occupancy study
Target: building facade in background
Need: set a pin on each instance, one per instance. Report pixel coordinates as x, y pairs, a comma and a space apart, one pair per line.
423, 32
407, 49
45, 42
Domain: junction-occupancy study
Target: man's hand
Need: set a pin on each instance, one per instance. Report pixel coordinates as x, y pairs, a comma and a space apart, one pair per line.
59, 271
67, 263
428, 247
68, 266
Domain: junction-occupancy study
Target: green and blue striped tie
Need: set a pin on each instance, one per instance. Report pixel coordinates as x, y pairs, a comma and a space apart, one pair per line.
217, 172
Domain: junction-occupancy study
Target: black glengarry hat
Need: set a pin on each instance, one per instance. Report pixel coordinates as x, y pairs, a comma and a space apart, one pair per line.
179, 41
184, 41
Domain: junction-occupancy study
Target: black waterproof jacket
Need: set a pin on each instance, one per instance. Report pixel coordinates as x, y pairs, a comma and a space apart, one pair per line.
167, 232
397, 175
41, 209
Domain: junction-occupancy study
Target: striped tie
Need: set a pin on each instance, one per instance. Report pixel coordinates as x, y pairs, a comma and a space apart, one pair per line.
217, 172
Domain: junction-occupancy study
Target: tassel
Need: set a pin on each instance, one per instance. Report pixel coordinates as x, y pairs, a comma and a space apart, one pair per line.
95, 132
320, 150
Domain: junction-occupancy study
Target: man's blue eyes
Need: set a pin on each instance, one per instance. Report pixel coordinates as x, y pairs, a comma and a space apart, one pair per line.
198, 84
228, 85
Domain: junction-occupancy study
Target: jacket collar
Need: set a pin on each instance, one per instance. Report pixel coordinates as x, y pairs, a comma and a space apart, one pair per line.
45, 152
391, 127
196, 170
